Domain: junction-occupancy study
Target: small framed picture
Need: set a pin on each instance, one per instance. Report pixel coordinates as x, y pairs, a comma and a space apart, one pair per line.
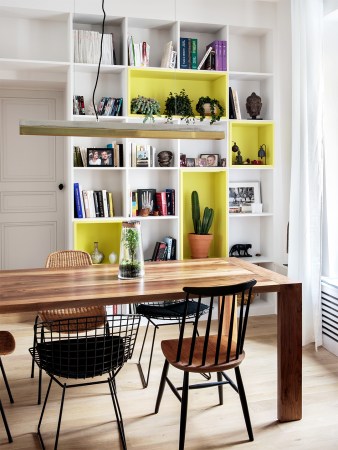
243, 194
190, 162
100, 157
212, 159
201, 162
183, 160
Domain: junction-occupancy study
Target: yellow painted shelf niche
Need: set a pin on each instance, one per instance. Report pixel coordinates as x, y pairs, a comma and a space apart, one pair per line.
211, 188
158, 83
249, 136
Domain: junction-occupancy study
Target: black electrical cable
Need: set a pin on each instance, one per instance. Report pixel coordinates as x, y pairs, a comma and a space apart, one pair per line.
99, 65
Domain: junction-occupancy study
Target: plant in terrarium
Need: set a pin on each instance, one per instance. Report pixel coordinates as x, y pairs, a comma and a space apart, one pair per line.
131, 255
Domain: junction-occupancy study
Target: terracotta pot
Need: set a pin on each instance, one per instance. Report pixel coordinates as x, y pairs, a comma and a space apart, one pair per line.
207, 109
200, 245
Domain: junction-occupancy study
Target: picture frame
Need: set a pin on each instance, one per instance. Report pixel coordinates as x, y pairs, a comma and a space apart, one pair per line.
212, 159
243, 194
100, 157
190, 162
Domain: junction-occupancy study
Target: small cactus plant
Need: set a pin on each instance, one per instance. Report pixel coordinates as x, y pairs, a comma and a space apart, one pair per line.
208, 215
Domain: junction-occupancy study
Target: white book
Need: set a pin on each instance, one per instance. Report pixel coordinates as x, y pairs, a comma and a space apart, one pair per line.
165, 61
105, 203
86, 203
236, 103
173, 59
204, 58
91, 204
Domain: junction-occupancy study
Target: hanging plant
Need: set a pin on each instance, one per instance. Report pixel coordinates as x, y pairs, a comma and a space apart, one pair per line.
207, 106
179, 105
147, 106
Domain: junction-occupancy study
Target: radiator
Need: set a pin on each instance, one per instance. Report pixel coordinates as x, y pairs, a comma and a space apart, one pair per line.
329, 298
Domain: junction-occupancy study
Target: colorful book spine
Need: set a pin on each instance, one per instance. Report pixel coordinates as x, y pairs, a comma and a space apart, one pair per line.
194, 53
77, 201
161, 200
216, 45
184, 60
224, 55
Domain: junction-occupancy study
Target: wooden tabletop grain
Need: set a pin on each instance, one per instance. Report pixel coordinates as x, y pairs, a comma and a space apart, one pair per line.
35, 289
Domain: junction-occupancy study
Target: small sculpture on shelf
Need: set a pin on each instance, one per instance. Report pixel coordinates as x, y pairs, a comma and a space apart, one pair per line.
240, 250
239, 159
164, 158
97, 256
262, 153
253, 105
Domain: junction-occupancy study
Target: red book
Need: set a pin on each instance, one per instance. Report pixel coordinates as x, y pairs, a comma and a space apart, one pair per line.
161, 200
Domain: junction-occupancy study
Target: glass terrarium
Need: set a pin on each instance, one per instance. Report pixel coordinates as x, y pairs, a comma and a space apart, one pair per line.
131, 263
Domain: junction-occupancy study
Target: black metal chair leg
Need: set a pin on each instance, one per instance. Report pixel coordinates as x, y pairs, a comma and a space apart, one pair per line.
244, 403
184, 409
34, 345
9, 436
6, 382
118, 413
60, 417
220, 388
40, 386
42, 413
162, 385
145, 380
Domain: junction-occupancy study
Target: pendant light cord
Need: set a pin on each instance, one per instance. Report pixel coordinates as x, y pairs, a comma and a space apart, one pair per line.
99, 65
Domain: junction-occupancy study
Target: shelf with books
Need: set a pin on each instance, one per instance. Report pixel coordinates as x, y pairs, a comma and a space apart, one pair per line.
158, 83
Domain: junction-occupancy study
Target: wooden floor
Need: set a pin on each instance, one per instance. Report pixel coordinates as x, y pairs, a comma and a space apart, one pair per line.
89, 421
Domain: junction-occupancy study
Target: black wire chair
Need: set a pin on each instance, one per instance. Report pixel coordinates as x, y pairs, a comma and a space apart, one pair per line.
161, 314
213, 352
7, 346
85, 354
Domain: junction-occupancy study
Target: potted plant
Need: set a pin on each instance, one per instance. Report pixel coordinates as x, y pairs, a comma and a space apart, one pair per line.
131, 255
200, 240
147, 106
179, 105
207, 106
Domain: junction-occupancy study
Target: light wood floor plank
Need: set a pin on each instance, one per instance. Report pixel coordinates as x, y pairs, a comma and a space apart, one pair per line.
89, 421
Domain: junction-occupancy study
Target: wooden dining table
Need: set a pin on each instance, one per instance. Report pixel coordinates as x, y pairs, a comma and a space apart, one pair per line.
37, 289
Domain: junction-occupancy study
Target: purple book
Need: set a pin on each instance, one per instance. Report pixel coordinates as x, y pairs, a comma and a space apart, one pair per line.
218, 54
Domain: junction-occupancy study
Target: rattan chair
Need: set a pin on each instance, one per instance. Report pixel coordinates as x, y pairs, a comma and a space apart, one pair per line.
7, 346
67, 259
214, 352
65, 349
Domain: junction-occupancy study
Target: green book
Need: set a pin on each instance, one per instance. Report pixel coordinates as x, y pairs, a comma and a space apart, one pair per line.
194, 53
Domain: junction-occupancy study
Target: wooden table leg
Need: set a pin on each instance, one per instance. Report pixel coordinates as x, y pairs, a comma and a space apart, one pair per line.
289, 352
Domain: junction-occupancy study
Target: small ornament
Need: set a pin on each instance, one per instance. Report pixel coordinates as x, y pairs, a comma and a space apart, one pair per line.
262, 152
112, 258
253, 105
97, 256
235, 147
164, 158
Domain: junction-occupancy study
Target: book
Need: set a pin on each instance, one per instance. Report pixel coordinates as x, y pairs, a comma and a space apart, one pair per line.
236, 103
90, 194
166, 57
232, 112
216, 46
142, 157
78, 202
224, 55
86, 203
170, 195
193, 55
173, 59
206, 54
134, 204
146, 199
210, 61
169, 241
110, 204
161, 201
99, 197
160, 251
184, 64
96, 204
105, 203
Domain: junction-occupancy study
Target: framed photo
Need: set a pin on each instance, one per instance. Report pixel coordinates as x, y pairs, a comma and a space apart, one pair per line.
190, 162
243, 194
212, 159
100, 157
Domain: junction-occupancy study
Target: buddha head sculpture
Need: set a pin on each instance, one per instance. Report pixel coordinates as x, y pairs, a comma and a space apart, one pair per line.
164, 158
253, 105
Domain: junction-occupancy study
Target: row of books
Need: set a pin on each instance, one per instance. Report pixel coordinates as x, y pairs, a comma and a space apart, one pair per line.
110, 156
142, 155
169, 57
78, 105
138, 53
110, 106
234, 108
92, 204
165, 249
87, 46
160, 203
215, 57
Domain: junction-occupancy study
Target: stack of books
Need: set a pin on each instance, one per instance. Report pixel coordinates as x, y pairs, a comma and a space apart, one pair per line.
87, 46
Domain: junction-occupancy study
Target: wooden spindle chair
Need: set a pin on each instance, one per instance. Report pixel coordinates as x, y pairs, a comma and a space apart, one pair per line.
217, 351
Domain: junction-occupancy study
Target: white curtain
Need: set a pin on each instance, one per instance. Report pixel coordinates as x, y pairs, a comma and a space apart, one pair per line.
305, 235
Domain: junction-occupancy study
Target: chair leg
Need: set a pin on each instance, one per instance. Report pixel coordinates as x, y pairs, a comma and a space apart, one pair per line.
162, 385
6, 382
220, 388
40, 386
118, 414
244, 403
9, 436
145, 380
42, 413
184, 409
60, 417
34, 346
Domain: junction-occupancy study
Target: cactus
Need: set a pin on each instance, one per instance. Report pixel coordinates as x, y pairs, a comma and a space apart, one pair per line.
208, 215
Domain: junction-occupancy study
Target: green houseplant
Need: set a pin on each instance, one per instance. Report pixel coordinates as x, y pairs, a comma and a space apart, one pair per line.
150, 107
207, 106
201, 239
131, 254
179, 105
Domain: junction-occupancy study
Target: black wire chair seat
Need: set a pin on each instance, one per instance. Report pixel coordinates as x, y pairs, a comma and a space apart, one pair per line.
65, 349
167, 312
